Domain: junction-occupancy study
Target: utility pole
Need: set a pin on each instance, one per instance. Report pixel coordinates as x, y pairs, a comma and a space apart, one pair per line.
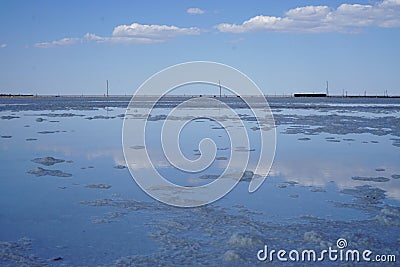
107, 87
220, 89
327, 91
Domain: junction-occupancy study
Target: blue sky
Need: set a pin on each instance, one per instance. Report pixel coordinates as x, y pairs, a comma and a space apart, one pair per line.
72, 47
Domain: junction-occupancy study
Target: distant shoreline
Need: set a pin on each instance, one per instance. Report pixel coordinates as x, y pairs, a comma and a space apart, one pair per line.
189, 96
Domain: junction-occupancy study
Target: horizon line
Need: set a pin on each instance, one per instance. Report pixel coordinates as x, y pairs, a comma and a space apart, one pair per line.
192, 95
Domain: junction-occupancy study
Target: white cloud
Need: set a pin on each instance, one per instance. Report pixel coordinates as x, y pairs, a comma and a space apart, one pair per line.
345, 18
134, 33
90, 37
3, 45
195, 11
93, 37
152, 32
61, 42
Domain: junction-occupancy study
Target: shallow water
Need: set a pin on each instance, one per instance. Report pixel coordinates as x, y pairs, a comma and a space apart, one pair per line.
326, 183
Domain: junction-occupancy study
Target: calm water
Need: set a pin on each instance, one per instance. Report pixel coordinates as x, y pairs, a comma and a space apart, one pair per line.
335, 175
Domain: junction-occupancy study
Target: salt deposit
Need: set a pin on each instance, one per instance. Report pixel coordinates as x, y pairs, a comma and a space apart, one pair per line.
99, 186
47, 161
8, 117
120, 167
396, 176
370, 179
366, 194
43, 172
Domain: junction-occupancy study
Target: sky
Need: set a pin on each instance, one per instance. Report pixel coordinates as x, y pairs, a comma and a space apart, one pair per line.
73, 47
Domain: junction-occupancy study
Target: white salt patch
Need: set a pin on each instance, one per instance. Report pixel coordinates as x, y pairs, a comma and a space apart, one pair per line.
98, 186
231, 256
389, 216
312, 236
242, 240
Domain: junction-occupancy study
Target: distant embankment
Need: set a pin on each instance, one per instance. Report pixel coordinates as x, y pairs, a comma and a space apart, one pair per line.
18, 95
347, 96
372, 96
309, 95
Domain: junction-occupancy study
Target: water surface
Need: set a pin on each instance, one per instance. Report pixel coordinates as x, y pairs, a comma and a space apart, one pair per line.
325, 183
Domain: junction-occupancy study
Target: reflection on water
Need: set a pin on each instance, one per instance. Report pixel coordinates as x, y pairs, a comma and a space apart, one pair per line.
99, 216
